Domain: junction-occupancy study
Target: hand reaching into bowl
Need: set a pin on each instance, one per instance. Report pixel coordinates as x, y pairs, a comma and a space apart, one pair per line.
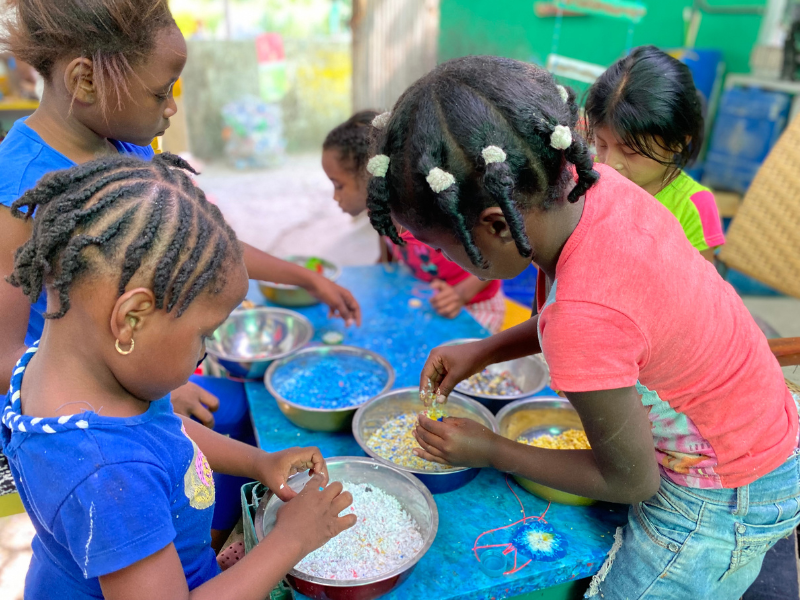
456, 442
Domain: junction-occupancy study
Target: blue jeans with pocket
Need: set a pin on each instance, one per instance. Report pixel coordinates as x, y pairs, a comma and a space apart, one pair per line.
700, 544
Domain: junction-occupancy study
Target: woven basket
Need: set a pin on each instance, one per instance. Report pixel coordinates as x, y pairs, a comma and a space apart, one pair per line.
764, 238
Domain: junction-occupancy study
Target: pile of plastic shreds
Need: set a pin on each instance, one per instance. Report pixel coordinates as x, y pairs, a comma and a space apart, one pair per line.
253, 133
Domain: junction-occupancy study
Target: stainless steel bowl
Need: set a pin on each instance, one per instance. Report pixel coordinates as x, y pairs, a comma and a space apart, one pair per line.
292, 295
323, 419
530, 373
538, 416
377, 411
413, 497
251, 339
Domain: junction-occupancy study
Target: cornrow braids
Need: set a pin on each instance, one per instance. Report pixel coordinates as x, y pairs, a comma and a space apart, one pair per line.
448, 118
124, 216
352, 140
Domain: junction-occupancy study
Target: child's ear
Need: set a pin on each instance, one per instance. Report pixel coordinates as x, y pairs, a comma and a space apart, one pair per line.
131, 312
494, 222
79, 79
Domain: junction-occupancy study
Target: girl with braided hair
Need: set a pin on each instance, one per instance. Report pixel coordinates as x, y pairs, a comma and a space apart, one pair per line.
345, 153
140, 269
109, 68
686, 409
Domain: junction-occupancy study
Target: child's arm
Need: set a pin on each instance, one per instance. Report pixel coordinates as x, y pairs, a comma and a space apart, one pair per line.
620, 467
273, 469
265, 267
303, 525
447, 366
15, 305
449, 300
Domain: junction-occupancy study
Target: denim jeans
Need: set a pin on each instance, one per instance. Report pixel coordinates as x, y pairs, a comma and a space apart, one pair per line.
700, 544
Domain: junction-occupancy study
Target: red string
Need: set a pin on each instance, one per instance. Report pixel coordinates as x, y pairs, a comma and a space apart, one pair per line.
508, 546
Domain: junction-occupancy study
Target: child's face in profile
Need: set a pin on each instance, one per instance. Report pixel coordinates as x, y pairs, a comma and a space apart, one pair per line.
645, 172
145, 110
349, 188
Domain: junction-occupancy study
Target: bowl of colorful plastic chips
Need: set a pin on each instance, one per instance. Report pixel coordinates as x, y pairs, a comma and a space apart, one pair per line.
321, 387
384, 428
397, 523
504, 382
546, 422
250, 339
292, 295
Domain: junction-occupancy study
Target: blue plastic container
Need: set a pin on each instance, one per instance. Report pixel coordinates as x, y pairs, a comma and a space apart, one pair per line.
748, 124
522, 288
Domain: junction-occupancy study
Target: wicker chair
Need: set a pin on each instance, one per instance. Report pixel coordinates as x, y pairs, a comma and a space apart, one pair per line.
764, 238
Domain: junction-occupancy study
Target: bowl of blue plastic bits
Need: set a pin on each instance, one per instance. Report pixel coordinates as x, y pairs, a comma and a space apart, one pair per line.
321, 387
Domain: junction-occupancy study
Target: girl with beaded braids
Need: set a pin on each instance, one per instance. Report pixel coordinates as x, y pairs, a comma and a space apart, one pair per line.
140, 269
345, 156
480, 160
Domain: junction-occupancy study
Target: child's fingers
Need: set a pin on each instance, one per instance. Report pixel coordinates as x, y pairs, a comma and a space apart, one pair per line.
202, 414
341, 502
437, 428
345, 522
209, 400
429, 438
428, 456
430, 449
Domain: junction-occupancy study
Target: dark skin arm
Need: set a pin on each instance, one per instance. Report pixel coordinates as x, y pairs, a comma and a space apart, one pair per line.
447, 366
303, 525
265, 267
16, 307
620, 467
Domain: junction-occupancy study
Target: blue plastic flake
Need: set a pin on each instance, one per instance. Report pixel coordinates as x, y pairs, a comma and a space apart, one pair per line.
329, 380
538, 540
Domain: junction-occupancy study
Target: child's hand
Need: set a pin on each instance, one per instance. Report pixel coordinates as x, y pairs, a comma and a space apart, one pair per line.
274, 469
340, 300
446, 301
312, 517
447, 366
193, 401
457, 442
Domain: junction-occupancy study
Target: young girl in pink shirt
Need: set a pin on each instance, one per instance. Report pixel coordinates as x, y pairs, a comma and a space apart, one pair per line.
687, 412
344, 160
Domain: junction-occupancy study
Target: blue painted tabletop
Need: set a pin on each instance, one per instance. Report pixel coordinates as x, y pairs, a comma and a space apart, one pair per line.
403, 330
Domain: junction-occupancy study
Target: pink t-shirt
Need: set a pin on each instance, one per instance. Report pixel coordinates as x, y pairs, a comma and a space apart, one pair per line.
427, 264
634, 304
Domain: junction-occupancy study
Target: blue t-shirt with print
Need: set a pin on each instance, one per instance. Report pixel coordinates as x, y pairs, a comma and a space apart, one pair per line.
24, 158
106, 492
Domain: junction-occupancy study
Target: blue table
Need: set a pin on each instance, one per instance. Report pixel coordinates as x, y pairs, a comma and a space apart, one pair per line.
404, 331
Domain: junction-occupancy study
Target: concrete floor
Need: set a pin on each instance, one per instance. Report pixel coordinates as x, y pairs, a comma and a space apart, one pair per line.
291, 210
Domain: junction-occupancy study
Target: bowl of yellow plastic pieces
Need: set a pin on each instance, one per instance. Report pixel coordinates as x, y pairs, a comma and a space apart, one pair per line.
545, 422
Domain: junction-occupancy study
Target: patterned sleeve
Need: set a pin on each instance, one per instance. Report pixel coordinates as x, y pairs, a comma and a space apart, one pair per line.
116, 517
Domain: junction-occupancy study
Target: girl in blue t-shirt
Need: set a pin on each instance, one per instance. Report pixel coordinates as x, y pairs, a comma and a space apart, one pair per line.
140, 269
109, 68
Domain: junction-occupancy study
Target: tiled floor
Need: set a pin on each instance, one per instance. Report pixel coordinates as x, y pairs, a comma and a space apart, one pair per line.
290, 210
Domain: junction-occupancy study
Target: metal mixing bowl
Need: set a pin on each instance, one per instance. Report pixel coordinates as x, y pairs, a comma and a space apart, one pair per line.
413, 497
323, 419
251, 339
538, 416
292, 295
377, 411
530, 373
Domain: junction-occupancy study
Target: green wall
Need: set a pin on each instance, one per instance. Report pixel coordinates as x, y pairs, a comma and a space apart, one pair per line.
510, 28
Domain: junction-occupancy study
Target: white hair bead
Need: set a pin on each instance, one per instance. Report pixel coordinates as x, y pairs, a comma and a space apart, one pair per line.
378, 165
561, 138
562, 91
439, 180
381, 120
493, 154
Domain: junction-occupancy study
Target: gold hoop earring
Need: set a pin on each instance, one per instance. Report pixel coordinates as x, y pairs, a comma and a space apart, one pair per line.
121, 351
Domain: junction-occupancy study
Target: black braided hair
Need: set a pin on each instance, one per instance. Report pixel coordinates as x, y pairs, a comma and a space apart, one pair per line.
352, 140
447, 118
124, 216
